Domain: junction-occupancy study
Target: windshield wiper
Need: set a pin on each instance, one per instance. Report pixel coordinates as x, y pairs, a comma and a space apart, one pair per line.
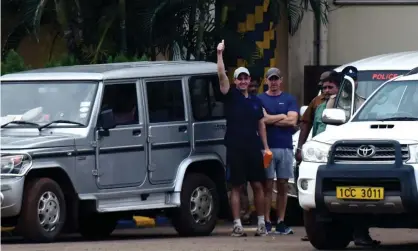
59, 121
20, 122
399, 119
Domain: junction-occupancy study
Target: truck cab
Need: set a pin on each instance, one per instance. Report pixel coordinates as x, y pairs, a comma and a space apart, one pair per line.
373, 72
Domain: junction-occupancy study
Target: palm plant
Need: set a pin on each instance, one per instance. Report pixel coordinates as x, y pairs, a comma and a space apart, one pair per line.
155, 26
191, 24
67, 16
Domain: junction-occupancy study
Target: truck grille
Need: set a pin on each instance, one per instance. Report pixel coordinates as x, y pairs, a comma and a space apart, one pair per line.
381, 152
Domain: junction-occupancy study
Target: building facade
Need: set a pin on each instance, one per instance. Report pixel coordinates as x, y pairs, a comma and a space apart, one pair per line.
356, 29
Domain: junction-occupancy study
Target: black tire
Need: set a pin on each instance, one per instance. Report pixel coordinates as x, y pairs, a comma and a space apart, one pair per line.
326, 235
29, 225
97, 226
183, 220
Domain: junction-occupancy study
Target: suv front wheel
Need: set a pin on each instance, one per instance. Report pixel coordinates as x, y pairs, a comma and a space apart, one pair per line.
198, 212
43, 211
326, 235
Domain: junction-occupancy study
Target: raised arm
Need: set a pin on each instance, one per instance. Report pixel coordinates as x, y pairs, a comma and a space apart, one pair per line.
223, 78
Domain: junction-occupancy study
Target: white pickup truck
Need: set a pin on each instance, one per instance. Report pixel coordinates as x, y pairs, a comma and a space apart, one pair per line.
363, 170
373, 72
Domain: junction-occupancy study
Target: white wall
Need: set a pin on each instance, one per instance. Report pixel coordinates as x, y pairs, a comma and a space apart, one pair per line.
354, 32
301, 52
357, 32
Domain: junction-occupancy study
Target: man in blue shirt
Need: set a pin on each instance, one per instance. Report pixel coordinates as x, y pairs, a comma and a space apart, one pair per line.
280, 116
245, 135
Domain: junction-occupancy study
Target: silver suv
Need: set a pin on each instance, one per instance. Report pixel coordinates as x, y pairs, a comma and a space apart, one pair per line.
85, 146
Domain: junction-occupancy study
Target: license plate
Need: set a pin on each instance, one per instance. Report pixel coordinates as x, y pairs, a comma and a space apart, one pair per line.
361, 193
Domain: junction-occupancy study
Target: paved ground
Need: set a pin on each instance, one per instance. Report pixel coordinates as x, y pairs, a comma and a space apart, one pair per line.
165, 239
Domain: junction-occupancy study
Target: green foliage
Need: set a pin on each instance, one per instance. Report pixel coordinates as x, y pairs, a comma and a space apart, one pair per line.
13, 62
95, 30
66, 60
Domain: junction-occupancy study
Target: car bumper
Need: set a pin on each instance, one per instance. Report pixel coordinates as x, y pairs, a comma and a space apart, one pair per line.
12, 194
399, 182
307, 176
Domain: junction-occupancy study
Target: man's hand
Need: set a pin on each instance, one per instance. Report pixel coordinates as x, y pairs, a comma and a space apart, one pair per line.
221, 47
266, 150
298, 156
272, 119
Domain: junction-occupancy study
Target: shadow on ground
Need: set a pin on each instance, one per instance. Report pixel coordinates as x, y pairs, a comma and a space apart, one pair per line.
388, 247
119, 235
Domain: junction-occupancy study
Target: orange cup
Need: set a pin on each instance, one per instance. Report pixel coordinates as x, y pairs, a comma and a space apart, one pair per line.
268, 156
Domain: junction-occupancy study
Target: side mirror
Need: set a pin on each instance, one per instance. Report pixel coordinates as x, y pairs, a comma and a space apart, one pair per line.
333, 116
107, 119
302, 110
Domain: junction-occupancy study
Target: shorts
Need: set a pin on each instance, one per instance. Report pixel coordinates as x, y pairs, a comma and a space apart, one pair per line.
281, 166
245, 165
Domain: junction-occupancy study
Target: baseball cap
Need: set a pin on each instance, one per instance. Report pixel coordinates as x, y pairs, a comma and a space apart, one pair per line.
273, 72
241, 70
350, 71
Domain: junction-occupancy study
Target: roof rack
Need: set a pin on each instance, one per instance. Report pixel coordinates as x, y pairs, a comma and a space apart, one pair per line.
413, 71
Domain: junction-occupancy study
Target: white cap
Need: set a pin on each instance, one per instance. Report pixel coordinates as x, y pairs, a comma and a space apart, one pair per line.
240, 70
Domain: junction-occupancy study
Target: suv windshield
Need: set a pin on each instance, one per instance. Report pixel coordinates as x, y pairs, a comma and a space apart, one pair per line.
397, 100
43, 102
369, 81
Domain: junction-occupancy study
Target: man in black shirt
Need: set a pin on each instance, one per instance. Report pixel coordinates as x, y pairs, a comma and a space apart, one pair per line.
244, 139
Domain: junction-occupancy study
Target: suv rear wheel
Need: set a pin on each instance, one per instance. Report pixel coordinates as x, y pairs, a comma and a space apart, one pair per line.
198, 213
326, 235
43, 211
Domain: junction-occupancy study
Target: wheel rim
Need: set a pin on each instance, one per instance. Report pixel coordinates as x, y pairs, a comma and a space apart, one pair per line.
201, 205
48, 211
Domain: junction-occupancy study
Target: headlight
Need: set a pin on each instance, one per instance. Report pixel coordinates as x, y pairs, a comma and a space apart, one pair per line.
413, 153
15, 164
314, 151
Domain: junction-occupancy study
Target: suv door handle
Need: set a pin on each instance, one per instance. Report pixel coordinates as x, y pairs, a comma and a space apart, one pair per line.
136, 132
183, 128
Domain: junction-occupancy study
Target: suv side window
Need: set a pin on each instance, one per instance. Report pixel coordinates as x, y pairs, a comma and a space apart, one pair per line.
344, 99
165, 101
122, 99
206, 98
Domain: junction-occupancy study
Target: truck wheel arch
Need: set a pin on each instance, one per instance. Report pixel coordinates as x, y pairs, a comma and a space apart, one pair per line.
212, 166
61, 177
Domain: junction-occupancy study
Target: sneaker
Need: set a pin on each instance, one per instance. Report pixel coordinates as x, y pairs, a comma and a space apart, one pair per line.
261, 230
268, 226
238, 231
282, 229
